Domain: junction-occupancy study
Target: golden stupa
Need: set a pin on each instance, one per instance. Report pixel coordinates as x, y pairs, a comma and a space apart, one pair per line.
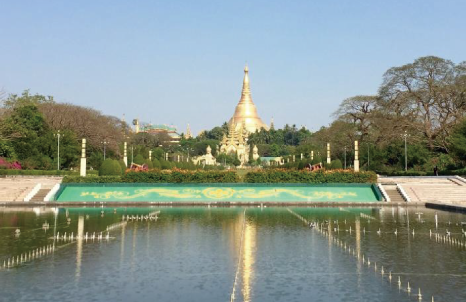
245, 115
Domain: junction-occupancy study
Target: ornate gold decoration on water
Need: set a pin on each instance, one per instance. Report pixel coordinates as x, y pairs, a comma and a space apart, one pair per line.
221, 193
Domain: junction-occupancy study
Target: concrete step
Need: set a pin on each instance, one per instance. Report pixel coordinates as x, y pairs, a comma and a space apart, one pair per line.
394, 195
40, 195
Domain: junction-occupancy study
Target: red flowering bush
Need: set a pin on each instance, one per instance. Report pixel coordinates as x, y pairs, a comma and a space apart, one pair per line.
5, 164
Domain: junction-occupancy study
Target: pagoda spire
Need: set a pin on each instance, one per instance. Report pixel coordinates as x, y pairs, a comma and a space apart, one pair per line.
245, 112
188, 132
246, 92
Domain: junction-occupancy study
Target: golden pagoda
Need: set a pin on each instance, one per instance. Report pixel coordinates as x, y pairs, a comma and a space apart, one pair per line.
245, 115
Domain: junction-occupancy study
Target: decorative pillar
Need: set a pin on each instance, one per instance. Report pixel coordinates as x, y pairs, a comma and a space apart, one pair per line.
329, 161
125, 154
150, 155
82, 170
178, 158
301, 156
356, 157
312, 155
294, 158
166, 156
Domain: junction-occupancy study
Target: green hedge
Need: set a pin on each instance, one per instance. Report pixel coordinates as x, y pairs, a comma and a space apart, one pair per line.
161, 177
423, 173
302, 176
44, 172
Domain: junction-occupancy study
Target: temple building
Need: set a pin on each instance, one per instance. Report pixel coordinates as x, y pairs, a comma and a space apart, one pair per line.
244, 121
169, 130
207, 159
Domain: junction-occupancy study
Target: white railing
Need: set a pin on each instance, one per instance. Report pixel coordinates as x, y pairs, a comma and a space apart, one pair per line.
33, 192
460, 178
403, 193
384, 193
51, 194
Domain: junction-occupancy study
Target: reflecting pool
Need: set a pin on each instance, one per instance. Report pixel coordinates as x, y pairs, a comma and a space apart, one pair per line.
231, 254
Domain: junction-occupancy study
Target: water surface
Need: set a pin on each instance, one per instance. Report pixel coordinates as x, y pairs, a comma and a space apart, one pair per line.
208, 254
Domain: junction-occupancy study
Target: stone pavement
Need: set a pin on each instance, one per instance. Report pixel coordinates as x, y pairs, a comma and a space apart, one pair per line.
433, 189
16, 188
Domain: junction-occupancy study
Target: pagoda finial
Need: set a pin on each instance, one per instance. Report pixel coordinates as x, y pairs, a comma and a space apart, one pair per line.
188, 132
246, 93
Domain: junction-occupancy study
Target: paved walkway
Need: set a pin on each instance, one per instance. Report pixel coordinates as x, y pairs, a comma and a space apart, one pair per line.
440, 189
16, 188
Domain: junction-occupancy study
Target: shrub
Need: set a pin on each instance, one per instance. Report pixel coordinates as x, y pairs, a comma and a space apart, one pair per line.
154, 176
91, 179
122, 165
14, 165
139, 160
149, 164
336, 164
110, 167
165, 164
303, 176
300, 165
156, 164
43, 172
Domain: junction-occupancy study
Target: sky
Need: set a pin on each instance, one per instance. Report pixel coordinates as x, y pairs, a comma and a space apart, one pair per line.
179, 62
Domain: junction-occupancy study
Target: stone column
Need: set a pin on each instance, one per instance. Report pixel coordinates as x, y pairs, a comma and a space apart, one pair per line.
82, 170
150, 155
178, 158
356, 157
294, 158
125, 154
312, 155
329, 160
301, 156
166, 156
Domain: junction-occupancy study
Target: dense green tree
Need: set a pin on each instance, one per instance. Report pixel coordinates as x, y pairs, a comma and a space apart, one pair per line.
458, 141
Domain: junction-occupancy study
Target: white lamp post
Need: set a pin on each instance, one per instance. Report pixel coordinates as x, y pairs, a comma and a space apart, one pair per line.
405, 136
105, 147
58, 135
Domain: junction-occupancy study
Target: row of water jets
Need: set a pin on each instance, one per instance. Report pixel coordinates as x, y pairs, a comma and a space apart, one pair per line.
352, 251
367, 262
46, 250
139, 217
445, 238
93, 236
29, 256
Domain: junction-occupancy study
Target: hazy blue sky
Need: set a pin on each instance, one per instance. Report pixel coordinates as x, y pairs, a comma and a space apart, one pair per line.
182, 61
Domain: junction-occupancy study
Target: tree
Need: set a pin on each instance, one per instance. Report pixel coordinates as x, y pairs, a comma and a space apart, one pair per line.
29, 132
458, 141
358, 110
430, 94
86, 123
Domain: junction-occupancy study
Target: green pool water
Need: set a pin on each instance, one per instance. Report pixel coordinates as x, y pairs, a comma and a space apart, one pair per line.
218, 192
